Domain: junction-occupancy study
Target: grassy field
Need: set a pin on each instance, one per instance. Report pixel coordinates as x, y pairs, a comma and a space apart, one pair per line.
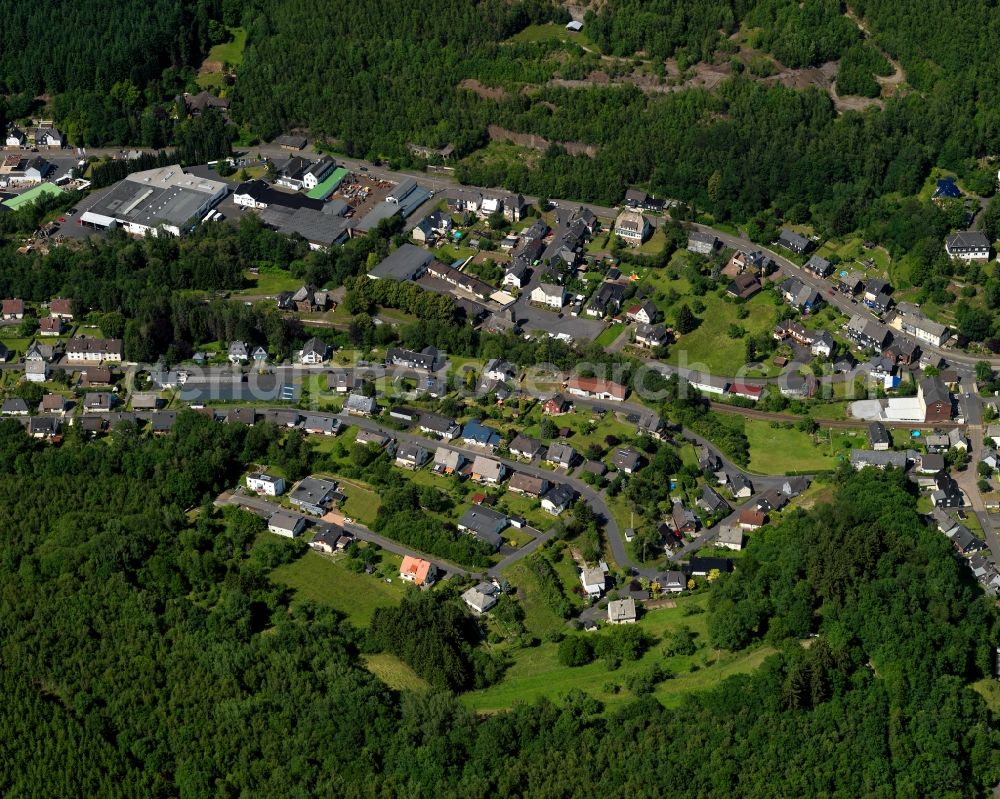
777, 450
552, 31
536, 672
539, 619
325, 579
395, 673
270, 280
230, 52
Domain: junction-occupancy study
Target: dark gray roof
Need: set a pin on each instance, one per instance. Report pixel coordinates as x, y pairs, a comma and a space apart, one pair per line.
404, 263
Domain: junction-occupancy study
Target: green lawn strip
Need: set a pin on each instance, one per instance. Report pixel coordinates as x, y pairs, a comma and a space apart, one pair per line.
270, 280
326, 580
539, 619
609, 334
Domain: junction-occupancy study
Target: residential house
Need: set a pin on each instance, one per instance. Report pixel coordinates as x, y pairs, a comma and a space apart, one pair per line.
791, 240
529, 485
594, 580
799, 295
14, 406
366, 438
632, 227
15, 137
684, 519
934, 400
36, 371
476, 434
310, 299
965, 542
558, 498
822, 345
238, 352
50, 326
12, 309
500, 370
752, 519
910, 320
342, 382
957, 440
48, 137
549, 295
94, 350
440, 426
327, 539
417, 571
448, 461
286, 524
744, 286
321, 425
929, 463
53, 403
867, 333
517, 275
596, 388
671, 582
314, 495
360, 405
937, 442
704, 567
561, 454
245, 416
878, 437
621, 611
556, 405
773, 499
43, 427
145, 401
606, 301
703, 243
481, 598
644, 313
265, 484
946, 189
97, 402
411, 456
426, 359
627, 460
730, 537
818, 266
484, 523
968, 245
523, 446
946, 493
739, 485
487, 470
313, 352
651, 336
883, 459
710, 501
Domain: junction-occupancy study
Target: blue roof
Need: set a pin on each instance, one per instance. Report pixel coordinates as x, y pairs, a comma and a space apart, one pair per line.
946, 188
480, 433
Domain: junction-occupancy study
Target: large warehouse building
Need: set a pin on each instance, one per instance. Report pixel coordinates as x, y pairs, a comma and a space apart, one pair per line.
164, 199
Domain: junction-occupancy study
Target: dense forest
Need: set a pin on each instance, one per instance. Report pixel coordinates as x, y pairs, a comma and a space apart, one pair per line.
146, 653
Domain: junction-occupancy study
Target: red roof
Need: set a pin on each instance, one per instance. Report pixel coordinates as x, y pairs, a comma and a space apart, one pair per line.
596, 385
414, 569
744, 389
752, 517
61, 307
13, 306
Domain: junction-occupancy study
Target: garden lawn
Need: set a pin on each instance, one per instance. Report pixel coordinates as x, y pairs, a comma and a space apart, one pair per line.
326, 580
362, 503
609, 334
